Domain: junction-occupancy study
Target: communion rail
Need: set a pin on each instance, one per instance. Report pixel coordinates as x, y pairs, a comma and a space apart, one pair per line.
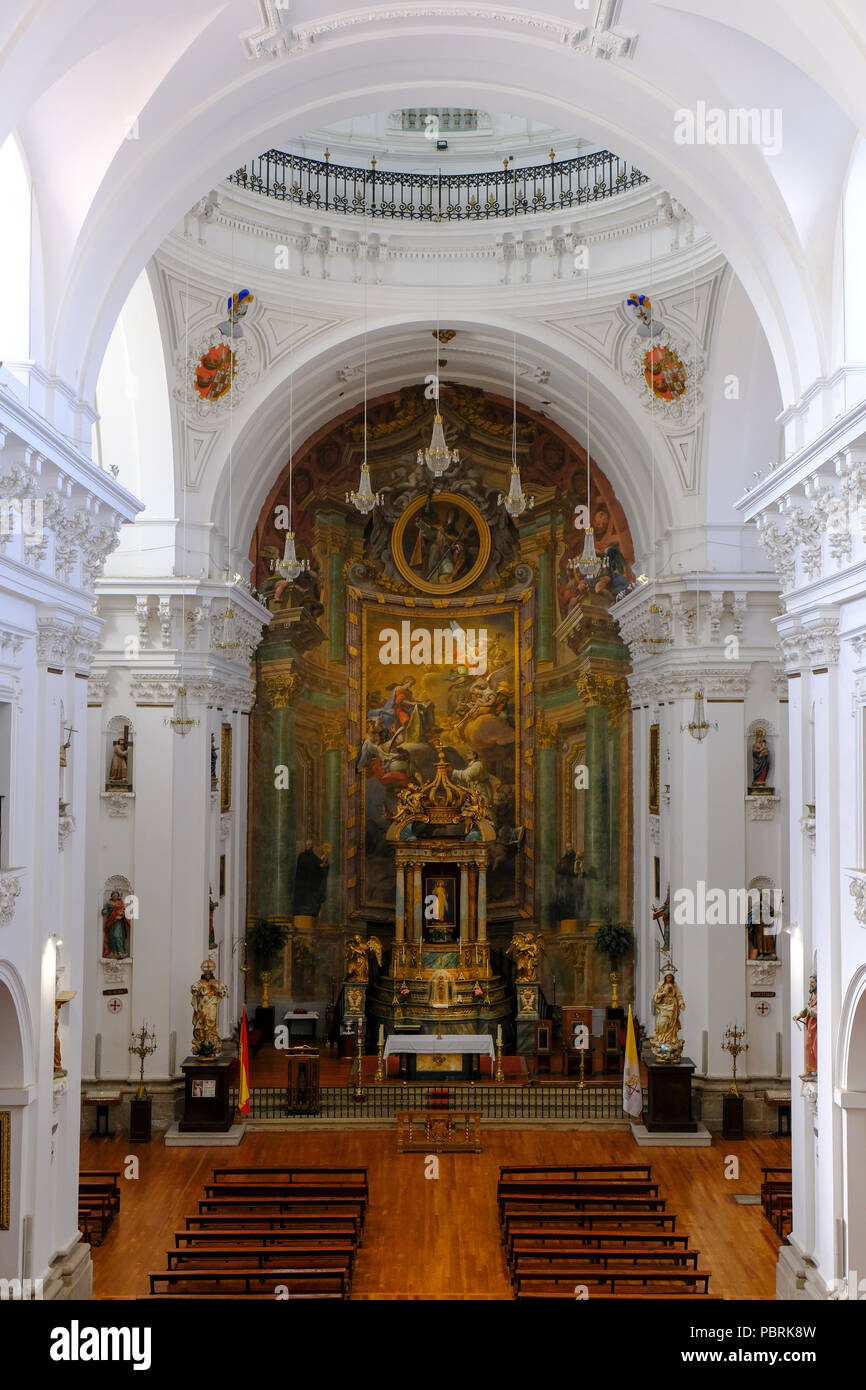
317, 184
504, 1102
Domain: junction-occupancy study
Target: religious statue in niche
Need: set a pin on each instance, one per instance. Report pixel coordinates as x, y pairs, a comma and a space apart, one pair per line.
206, 994
525, 949
116, 928
760, 925
760, 765
118, 767
666, 1043
213, 760
311, 877
807, 1018
357, 953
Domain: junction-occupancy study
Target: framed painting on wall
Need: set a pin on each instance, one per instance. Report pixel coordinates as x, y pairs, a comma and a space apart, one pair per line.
5, 1167
226, 768
654, 770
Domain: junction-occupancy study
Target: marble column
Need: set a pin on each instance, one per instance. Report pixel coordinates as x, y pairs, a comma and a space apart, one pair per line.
417, 903
330, 536
279, 850
482, 903
545, 611
597, 824
545, 868
464, 904
400, 906
334, 742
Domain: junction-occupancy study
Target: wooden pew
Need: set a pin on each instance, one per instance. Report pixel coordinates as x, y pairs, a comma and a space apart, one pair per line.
540, 1207
265, 1258
228, 1234
282, 1205
290, 1175
631, 1171
520, 1241
601, 1294
293, 1190
590, 1221
631, 1256
205, 1283
662, 1279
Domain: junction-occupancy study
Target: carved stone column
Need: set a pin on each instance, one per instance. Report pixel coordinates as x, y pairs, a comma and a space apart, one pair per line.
334, 742
417, 903
464, 904
545, 879
278, 849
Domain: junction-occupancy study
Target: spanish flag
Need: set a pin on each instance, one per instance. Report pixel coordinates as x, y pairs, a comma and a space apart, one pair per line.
632, 1094
244, 1057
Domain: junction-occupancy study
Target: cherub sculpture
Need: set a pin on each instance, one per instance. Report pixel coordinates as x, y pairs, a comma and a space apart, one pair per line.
358, 952
525, 950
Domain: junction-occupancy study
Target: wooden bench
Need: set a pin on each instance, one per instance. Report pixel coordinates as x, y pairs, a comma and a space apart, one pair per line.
293, 1190
590, 1221
204, 1283
637, 1256
598, 1294
279, 1206
343, 1231
593, 1240
640, 1171
289, 1175
265, 1258
97, 1210
663, 1280
537, 1207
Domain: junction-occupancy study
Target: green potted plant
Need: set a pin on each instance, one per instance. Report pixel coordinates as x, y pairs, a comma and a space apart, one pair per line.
267, 939
613, 940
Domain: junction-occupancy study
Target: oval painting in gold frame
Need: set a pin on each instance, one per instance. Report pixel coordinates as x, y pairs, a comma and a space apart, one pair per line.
441, 543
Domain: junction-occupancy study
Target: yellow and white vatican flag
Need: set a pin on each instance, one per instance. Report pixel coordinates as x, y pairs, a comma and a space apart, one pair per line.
632, 1095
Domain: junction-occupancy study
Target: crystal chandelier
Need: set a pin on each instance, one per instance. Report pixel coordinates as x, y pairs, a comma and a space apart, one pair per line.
697, 725
229, 641
365, 499
438, 457
655, 636
180, 719
290, 566
515, 501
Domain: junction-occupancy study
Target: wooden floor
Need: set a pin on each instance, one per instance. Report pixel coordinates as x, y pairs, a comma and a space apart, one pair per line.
439, 1239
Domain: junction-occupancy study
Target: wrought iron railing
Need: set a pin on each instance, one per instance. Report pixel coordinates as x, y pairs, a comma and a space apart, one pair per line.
543, 1102
317, 185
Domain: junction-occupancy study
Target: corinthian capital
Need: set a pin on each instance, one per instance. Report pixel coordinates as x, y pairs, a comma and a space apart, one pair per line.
282, 686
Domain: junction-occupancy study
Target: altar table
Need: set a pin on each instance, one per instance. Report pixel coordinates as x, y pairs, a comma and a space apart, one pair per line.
446, 1054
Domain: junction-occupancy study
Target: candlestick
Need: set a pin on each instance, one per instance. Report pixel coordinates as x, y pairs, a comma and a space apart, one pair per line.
381, 1034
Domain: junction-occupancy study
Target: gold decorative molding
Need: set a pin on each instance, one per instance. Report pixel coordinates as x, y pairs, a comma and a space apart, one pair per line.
281, 688
545, 733
333, 732
602, 688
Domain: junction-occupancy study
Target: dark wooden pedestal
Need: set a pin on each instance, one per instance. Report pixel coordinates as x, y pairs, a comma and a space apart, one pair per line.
732, 1118
264, 1020
206, 1094
669, 1095
302, 1090
139, 1120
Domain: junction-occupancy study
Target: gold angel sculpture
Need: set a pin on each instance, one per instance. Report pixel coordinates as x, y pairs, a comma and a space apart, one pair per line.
525, 950
358, 953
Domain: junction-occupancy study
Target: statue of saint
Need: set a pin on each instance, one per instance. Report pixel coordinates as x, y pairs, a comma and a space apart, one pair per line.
358, 952
117, 771
115, 928
667, 1045
311, 875
808, 1017
206, 994
760, 763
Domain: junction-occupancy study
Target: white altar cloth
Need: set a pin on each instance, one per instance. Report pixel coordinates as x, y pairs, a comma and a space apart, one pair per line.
449, 1042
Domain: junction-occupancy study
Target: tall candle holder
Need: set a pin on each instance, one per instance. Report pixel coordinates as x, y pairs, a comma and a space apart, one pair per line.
581, 1083
358, 1093
143, 1044
499, 1075
733, 1043
380, 1052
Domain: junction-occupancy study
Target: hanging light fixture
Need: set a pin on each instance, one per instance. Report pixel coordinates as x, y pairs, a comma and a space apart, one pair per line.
229, 642
180, 719
656, 636
516, 502
290, 566
438, 457
698, 726
588, 563
365, 499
